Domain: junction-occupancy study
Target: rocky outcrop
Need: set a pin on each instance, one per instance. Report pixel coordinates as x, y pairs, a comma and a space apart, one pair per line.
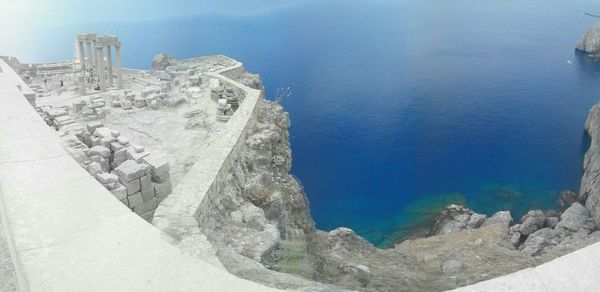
589, 190
454, 218
590, 42
259, 226
162, 61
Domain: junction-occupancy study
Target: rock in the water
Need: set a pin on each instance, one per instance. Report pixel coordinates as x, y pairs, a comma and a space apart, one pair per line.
452, 218
451, 266
531, 222
501, 217
566, 199
575, 218
162, 61
590, 42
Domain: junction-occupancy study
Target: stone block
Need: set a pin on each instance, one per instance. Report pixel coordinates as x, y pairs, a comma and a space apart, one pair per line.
125, 202
100, 151
146, 187
135, 200
94, 168
130, 170
92, 126
138, 148
123, 140
136, 156
104, 163
120, 156
158, 166
126, 104
116, 146
120, 192
106, 178
131, 186
162, 190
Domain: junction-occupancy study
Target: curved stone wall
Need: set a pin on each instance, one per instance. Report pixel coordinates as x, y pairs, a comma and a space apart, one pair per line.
176, 215
68, 233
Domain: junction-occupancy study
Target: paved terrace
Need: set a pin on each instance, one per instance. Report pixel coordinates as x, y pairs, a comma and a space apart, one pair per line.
65, 232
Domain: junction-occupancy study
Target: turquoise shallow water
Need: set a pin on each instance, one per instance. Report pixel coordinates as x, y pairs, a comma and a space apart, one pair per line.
399, 107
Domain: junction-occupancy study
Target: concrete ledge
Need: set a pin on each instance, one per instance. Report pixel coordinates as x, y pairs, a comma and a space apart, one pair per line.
576, 271
68, 233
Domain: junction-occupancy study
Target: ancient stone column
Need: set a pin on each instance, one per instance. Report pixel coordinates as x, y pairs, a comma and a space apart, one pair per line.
90, 54
95, 58
100, 67
109, 71
81, 53
119, 67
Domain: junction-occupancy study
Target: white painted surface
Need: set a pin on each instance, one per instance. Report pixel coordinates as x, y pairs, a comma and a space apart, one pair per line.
68, 233
574, 272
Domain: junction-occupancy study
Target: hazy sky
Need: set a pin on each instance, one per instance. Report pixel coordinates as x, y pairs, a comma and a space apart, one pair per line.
23, 16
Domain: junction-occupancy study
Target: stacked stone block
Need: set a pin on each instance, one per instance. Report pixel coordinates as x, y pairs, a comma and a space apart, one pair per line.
136, 177
224, 110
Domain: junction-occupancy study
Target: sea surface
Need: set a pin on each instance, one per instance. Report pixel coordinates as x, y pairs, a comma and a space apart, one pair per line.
401, 107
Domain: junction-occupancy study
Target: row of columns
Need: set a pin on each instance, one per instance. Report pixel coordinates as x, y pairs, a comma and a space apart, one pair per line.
103, 49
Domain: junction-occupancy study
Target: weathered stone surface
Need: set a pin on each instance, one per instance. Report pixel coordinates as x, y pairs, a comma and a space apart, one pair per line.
100, 151
147, 188
135, 155
452, 218
590, 181
159, 167
162, 61
532, 221
135, 199
566, 199
131, 186
575, 218
534, 245
550, 222
476, 220
451, 266
515, 239
92, 126
162, 190
590, 42
106, 178
119, 191
130, 170
94, 168
501, 217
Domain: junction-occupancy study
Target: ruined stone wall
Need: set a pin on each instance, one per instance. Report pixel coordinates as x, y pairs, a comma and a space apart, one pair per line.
176, 215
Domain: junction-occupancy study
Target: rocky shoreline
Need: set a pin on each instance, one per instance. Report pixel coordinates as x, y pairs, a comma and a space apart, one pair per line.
261, 229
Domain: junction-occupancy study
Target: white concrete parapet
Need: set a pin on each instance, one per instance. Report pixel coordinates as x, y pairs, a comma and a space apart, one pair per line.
68, 233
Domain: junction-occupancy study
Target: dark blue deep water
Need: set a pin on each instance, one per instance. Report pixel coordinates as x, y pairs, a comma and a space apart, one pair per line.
399, 108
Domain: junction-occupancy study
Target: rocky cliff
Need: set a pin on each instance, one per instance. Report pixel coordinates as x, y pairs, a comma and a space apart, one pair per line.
590, 42
260, 228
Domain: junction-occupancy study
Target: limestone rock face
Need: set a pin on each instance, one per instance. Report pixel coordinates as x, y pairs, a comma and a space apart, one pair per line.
590, 42
162, 61
454, 218
590, 181
501, 217
574, 219
531, 222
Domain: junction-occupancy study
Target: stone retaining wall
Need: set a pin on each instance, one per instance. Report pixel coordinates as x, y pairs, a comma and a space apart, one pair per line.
68, 233
176, 215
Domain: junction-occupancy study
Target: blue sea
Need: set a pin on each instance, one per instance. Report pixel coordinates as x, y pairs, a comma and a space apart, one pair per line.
401, 107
